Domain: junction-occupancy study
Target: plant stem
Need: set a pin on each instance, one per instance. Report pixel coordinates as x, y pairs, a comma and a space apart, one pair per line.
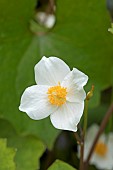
83, 132
101, 129
77, 138
88, 97
81, 167
85, 117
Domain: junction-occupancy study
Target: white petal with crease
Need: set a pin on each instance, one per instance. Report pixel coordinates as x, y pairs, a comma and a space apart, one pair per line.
76, 95
67, 116
76, 77
34, 102
50, 71
74, 83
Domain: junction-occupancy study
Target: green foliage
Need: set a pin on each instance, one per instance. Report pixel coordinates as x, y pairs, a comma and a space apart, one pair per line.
19, 52
83, 28
6, 156
80, 37
60, 165
29, 151
28, 148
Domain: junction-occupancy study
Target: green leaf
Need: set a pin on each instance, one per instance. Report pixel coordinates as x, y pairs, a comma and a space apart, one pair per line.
82, 30
60, 165
6, 156
29, 151
29, 148
18, 46
14, 19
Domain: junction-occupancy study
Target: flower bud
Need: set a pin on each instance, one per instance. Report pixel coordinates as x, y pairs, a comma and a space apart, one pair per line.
90, 93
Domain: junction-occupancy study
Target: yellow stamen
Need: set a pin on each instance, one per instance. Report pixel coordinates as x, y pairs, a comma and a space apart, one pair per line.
57, 95
101, 149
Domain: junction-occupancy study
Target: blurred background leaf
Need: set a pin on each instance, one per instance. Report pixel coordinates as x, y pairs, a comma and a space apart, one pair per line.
19, 52
6, 156
29, 149
60, 165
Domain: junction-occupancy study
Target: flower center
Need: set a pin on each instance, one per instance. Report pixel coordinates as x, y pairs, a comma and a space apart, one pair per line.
101, 149
57, 95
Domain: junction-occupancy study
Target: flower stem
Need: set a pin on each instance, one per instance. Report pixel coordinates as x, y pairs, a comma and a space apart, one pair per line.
88, 97
77, 138
101, 129
81, 167
83, 135
85, 117
83, 132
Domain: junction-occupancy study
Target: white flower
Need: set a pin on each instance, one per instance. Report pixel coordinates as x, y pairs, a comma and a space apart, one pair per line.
59, 93
102, 157
47, 20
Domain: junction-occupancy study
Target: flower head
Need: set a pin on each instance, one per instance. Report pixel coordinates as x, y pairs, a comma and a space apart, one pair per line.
47, 20
102, 157
59, 93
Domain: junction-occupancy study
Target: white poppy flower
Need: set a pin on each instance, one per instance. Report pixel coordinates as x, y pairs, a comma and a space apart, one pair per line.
59, 93
102, 157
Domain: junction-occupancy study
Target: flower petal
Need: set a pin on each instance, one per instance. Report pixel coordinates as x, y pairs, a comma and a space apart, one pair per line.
74, 94
89, 138
67, 116
35, 102
50, 71
110, 143
74, 83
76, 77
91, 133
102, 162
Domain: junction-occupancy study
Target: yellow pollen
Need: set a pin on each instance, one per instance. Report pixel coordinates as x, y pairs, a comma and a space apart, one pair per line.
101, 149
57, 95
